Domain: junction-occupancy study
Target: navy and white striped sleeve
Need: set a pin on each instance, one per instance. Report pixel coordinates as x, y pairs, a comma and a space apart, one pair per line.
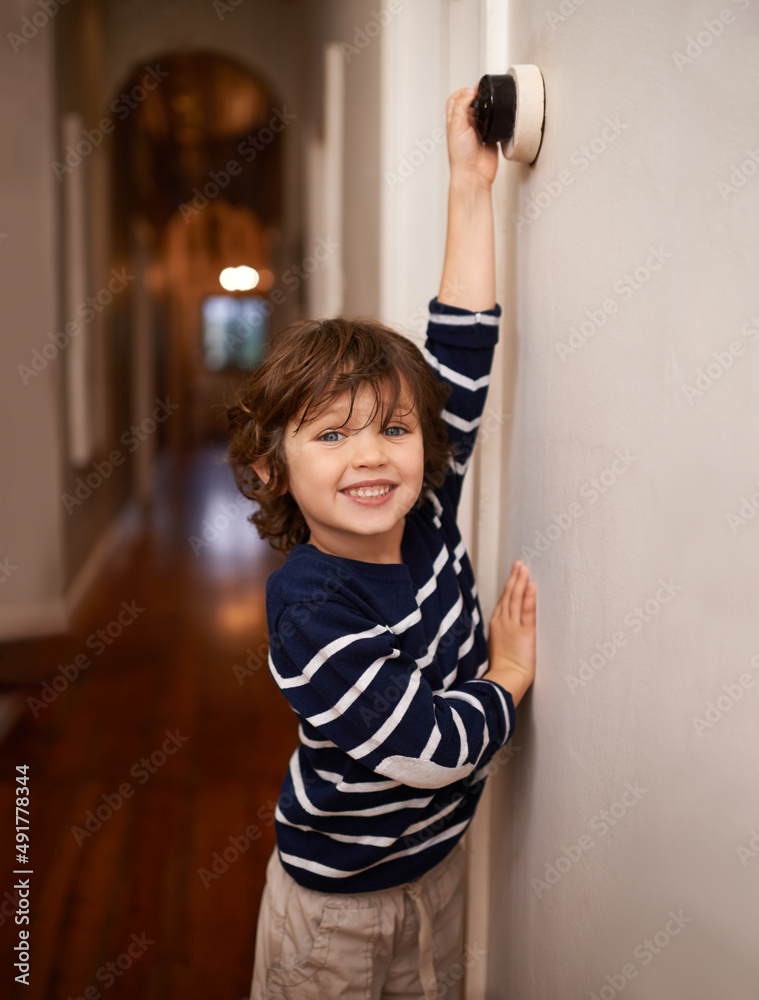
459, 348
349, 678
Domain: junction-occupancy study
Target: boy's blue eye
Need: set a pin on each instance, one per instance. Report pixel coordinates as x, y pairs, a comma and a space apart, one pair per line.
395, 431
330, 436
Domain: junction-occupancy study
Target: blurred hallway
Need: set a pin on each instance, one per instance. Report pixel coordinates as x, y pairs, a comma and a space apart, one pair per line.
149, 761
162, 149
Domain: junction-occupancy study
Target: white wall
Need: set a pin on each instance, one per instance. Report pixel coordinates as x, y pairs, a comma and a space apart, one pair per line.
342, 154
662, 515
31, 568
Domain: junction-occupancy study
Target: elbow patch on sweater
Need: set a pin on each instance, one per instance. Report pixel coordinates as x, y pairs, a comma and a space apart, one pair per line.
421, 773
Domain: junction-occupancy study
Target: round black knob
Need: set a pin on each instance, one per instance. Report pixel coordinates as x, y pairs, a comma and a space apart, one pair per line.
495, 108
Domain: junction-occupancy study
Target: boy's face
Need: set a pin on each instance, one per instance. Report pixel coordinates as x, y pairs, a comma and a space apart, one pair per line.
353, 482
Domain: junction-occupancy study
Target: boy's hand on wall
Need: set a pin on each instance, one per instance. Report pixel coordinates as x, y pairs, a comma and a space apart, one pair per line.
511, 642
468, 156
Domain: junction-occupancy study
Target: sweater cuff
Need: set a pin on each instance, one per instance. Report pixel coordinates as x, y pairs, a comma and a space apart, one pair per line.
504, 698
459, 327
443, 308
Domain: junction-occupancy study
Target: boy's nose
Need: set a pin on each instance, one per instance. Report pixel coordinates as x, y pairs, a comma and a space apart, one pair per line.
368, 450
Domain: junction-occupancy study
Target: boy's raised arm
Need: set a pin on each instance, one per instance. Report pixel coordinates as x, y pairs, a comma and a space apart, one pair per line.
468, 279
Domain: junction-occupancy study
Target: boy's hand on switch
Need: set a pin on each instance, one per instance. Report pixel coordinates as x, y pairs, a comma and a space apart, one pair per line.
468, 156
511, 642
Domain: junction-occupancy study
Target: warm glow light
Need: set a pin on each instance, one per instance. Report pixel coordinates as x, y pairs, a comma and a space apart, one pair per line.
265, 279
247, 277
228, 279
239, 279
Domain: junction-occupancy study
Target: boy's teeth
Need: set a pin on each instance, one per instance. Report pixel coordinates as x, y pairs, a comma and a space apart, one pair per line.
365, 491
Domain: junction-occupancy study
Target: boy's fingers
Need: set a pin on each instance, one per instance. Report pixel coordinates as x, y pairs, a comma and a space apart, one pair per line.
504, 601
505, 598
517, 595
457, 107
451, 104
529, 604
461, 93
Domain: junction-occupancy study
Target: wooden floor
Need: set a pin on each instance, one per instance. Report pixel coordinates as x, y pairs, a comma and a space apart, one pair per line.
177, 760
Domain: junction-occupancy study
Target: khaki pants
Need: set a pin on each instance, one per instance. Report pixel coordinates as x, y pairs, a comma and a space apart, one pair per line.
404, 942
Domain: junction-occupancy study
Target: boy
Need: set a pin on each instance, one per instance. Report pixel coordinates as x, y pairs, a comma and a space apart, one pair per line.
374, 624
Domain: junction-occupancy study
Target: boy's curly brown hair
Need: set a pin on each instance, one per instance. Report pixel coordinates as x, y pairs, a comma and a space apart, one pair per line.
309, 364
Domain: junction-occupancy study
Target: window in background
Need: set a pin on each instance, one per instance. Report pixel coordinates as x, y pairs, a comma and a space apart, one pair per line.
235, 330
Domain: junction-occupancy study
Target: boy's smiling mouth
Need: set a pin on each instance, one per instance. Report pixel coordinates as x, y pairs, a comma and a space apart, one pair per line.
369, 490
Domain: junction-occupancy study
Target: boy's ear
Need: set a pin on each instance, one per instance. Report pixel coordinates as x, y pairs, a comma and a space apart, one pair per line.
261, 471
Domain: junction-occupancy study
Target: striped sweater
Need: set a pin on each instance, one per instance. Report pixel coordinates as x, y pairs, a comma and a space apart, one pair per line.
381, 664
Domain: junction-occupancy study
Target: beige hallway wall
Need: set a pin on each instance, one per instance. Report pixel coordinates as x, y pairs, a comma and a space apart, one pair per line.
630, 468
